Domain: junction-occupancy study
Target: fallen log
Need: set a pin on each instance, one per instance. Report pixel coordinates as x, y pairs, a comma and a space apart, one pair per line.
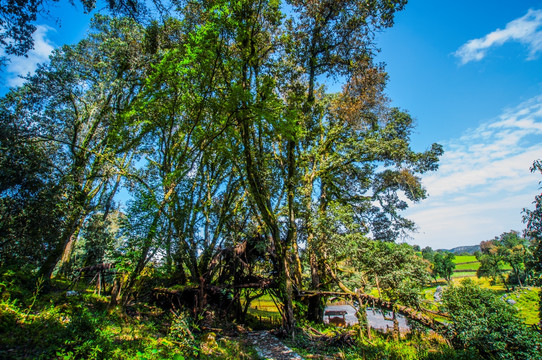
190, 295
416, 315
413, 314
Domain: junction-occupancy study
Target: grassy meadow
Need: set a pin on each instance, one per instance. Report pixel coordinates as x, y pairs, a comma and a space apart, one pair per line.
526, 298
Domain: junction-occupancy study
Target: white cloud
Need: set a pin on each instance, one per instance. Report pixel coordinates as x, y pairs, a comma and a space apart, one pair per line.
526, 30
483, 182
20, 66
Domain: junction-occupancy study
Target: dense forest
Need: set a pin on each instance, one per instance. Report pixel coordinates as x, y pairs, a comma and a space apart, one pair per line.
186, 159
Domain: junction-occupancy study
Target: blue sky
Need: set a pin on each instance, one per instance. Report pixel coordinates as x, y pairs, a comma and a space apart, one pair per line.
470, 73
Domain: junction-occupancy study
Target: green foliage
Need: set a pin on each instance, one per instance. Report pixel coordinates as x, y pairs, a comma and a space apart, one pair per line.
28, 194
428, 253
215, 120
180, 331
412, 346
526, 302
443, 265
533, 231
79, 327
394, 269
17, 21
508, 251
481, 320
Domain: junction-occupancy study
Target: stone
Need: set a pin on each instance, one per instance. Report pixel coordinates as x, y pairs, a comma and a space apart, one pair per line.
438, 294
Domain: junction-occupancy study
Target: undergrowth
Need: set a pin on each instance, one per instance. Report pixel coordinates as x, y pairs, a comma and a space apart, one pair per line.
35, 324
410, 346
57, 326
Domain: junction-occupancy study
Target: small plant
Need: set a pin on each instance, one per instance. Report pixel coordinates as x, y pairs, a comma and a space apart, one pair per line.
180, 331
39, 286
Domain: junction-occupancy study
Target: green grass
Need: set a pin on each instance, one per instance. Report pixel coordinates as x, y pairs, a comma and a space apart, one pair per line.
463, 274
56, 326
527, 303
470, 263
412, 346
464, 258
264, 312
265, 304
467, 266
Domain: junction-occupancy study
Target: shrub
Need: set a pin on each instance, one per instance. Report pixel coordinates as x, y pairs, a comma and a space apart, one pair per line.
483, 322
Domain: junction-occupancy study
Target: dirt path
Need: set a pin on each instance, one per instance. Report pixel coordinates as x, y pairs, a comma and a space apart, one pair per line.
270, 348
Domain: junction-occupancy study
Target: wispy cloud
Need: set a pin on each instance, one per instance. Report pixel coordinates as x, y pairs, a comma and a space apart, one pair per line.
483, 181
493, 152
20, 66
526, 30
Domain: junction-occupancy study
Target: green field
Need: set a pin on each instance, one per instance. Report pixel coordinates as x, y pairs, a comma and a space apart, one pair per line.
470, 263
263, 306
526, 298
464, 258
264, 311
467, 266
463, 274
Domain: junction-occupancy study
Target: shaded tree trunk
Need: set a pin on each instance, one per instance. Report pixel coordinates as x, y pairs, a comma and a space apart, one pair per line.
49, 265
316, 304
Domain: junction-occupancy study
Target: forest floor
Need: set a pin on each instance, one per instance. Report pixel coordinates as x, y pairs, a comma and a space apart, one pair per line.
58, 326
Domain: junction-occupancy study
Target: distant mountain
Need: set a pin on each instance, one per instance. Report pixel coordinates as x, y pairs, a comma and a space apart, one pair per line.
464, 249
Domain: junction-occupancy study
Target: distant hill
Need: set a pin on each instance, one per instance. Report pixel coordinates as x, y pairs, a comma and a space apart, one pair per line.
463, 249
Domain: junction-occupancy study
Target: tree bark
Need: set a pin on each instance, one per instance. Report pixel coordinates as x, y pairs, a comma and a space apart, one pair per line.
316, 303
49, 265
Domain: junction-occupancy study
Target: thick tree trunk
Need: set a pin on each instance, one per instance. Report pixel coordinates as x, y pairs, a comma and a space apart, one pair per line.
49, 265
115, 292
316, 304
286, 290
68, 250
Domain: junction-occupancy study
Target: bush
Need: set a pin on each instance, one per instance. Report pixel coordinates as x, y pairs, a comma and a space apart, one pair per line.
483, 322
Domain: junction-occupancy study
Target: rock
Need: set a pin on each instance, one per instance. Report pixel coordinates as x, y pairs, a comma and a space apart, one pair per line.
511, 301
438, 294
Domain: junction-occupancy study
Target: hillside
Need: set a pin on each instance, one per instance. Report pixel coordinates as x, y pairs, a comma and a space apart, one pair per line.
463, 249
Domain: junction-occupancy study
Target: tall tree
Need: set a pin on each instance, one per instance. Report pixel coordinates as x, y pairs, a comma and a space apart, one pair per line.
224, 114
508, 248
514, 251
533, 232
442, 265
30, 217
189, 184
343, 137
73, 106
